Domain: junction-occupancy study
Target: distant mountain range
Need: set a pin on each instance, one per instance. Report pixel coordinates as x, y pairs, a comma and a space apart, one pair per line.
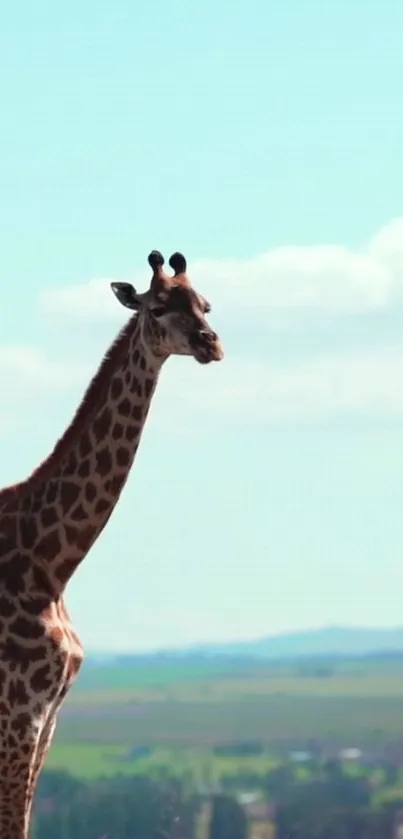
329, 641
316, 642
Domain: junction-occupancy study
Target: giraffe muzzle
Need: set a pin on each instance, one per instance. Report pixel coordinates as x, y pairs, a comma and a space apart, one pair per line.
206, 346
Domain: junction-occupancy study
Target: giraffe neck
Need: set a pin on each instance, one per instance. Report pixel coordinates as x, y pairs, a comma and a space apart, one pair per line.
65, 505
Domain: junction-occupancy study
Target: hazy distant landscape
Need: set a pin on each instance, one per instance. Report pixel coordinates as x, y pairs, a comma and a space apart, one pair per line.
326, 641
343, 686
294, 718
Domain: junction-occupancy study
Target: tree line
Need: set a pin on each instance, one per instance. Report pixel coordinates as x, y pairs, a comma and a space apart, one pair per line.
323, 802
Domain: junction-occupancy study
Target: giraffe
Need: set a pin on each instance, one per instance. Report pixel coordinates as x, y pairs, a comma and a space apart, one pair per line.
49, 521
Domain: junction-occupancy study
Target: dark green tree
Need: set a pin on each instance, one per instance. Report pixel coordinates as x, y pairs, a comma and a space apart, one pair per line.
228, 819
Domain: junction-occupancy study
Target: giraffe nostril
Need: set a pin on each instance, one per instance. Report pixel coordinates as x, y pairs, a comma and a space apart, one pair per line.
208, 335
206, 345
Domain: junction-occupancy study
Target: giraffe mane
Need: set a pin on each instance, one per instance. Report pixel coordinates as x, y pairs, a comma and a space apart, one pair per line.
83, 414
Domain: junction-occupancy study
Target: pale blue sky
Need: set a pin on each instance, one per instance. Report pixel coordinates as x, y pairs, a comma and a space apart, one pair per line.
268, 492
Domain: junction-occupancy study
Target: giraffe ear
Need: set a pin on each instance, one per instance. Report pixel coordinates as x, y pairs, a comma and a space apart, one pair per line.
126, 295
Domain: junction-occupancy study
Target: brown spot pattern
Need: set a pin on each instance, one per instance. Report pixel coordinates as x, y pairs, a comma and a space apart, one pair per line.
122, 457
124, 407
116, 387
35, 604
69, 493
17, 692
149, 384
102, 506
49, 546
104, 462
84, 469
29, 531
78, 514
40, 580
8, 535
71, 534
85, 446
7, 608
132, 431
12, 572
66, 569
117, 431
51, 494
114, 485
101, 424
90, 492
41, 679
71, 467
49, 516
26, 628
86, 537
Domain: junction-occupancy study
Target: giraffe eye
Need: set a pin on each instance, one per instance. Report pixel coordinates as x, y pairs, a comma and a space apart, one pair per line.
158, 312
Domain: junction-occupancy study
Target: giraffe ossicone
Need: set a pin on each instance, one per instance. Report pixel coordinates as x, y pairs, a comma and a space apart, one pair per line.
49, 522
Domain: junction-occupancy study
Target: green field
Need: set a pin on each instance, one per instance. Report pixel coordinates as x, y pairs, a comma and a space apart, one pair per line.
182, 709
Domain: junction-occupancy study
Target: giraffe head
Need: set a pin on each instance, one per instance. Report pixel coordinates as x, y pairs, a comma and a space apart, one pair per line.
172, 313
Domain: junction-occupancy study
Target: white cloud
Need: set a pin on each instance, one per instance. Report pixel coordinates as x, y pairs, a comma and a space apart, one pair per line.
92, 300
365, 384
327, 278
387, 246
30, 379
22, 366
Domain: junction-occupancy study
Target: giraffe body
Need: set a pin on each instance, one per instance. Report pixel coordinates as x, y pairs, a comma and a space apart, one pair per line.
49, 522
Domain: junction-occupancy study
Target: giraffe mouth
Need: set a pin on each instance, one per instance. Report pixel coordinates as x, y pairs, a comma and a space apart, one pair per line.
206, 346
207, 354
